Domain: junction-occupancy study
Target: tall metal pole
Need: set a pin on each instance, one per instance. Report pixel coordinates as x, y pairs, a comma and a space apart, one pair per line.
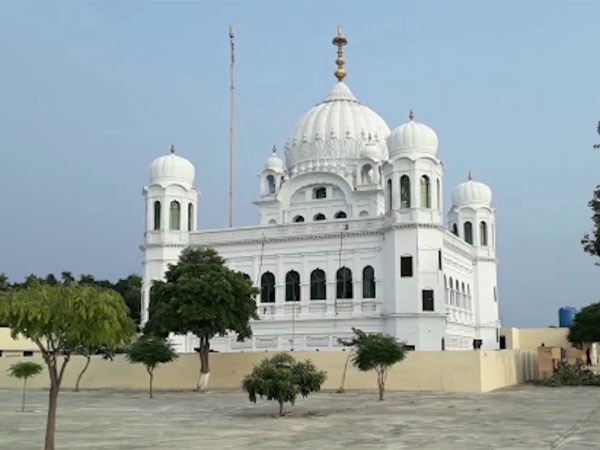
231, 124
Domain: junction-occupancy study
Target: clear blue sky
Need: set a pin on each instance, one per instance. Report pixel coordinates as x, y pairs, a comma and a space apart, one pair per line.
92, 92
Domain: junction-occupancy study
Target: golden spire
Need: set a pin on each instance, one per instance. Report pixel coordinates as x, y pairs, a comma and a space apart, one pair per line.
340, 41
470, 177
172, 149
411, 115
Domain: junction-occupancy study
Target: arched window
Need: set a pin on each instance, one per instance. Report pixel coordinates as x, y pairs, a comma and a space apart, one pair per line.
320, 192
455, 229
389, 194
404, 191
267, 288
438, 194
317, 285
175, 216
319, 216
363, 214
425, 192
468, 229
272, 222
344, 283
483, 233
157, 215
298, 219
340, 215
292, 286
270, 184
366, 174
452, 299
368, 282
190, 217
446, 292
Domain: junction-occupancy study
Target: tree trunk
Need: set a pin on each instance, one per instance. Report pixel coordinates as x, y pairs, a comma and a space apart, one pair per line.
203, 352
150, 384
381, 384
87, 364
23, 400
341, 389
51, 422
280, 408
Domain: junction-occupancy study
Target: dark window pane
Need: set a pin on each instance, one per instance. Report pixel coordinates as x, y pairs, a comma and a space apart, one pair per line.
406, 266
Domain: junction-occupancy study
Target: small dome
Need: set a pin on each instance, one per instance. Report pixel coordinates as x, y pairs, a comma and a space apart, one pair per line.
274, 162
472, 193
412, 136
336, 130
172, 168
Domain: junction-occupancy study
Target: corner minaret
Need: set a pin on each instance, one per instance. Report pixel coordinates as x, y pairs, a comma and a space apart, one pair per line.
171, 200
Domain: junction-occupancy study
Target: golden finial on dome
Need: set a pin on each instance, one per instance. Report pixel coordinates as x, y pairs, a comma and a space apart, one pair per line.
172, 149
274, 149
411, 115
469, 177
340, 41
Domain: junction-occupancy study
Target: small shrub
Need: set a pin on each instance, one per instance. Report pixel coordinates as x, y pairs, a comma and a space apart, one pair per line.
282, 378
571, 375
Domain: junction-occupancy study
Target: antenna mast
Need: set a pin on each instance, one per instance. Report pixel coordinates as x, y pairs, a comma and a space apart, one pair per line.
231, 123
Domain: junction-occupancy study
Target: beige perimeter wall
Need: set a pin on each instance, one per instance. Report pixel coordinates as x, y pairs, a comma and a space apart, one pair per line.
469, 371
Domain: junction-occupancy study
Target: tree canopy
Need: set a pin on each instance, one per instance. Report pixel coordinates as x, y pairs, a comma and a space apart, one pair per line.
282, 378
586, 326
150, 351
59, 319
24, 370
200, 295
376, 352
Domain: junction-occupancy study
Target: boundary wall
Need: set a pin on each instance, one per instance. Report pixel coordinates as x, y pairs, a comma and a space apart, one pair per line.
455, 371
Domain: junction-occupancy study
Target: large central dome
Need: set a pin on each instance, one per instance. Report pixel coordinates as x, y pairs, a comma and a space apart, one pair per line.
335, 132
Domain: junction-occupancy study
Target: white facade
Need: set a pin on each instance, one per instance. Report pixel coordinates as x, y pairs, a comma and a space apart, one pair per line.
351, 234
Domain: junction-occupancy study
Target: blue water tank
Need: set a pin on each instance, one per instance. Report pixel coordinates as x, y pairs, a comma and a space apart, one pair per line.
566, 315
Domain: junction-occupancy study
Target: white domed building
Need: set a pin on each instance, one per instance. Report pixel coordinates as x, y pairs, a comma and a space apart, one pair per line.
351, 234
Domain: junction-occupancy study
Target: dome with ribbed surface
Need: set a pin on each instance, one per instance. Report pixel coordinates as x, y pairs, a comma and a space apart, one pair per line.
172, 168
412, 136
336, 131
472, 193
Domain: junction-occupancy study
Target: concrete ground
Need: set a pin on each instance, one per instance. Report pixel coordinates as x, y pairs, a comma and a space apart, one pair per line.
525, 417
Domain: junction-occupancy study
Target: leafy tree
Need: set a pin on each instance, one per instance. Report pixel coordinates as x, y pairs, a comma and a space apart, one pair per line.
597, 131
51, 280
4, 282
32, 280
282, 378
67, 277
586, 326
591, 241
376, 352
24, 370
130, 289
60, 319
150, 351
202, 296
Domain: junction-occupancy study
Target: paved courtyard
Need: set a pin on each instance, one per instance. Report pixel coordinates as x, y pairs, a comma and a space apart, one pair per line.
525, 417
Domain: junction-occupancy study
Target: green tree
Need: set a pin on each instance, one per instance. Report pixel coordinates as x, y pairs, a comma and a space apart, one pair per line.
202, 296
282, 378
376, 352
67, 277
130, 289
23, 371
586, 326
51, 280
150, 351
4, 282
60, 319
591, 241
